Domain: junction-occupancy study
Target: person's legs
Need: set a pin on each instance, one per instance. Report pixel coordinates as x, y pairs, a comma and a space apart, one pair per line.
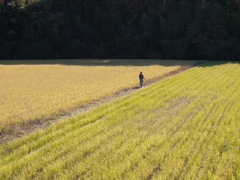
141, 83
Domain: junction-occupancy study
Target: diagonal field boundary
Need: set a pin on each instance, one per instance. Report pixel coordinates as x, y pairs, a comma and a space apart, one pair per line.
29, 127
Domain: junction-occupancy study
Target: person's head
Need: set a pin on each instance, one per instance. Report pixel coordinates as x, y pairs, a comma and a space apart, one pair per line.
140, 72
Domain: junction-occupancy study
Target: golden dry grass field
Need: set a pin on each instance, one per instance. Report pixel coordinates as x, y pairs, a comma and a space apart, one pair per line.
32, 90
185, 127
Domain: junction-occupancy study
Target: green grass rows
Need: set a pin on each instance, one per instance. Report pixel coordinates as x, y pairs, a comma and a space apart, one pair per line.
184, 127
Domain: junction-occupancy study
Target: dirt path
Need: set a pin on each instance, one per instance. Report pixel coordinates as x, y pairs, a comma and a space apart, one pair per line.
28, 127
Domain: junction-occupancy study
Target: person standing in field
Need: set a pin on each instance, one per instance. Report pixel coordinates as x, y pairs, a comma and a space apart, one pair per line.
141, 78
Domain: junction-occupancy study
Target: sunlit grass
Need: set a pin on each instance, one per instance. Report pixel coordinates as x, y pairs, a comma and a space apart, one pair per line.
33, 90
184, 127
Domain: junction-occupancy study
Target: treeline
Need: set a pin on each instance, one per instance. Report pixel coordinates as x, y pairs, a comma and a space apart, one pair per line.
162, 29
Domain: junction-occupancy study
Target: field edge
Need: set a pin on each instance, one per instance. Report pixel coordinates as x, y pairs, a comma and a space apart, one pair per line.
17, 131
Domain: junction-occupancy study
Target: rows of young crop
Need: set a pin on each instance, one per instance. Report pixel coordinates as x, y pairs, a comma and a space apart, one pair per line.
184, 127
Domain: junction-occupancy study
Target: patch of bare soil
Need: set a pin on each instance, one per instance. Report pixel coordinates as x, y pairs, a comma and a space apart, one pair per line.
28, 127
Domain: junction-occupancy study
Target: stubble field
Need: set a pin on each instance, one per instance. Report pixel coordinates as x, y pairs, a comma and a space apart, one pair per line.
183, 127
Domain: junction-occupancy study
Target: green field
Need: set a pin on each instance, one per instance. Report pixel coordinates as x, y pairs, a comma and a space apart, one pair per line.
184, 127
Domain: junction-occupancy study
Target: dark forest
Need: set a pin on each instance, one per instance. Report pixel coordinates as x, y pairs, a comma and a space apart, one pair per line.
122, 29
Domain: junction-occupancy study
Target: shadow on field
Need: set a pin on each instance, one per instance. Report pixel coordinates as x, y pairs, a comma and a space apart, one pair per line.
116, 62
102, 62
216, 63
137, 87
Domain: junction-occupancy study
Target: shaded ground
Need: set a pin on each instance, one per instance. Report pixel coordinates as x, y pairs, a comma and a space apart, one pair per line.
99, 62
28, 127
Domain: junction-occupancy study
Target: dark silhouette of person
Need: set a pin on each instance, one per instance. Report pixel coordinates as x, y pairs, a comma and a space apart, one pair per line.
141, 79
